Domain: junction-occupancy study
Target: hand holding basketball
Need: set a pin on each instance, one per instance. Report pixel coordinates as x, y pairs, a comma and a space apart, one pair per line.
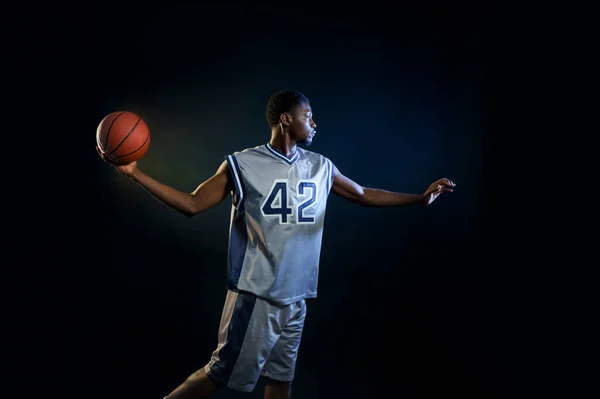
122, 137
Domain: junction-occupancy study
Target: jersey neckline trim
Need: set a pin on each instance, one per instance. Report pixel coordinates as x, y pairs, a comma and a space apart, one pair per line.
278, 154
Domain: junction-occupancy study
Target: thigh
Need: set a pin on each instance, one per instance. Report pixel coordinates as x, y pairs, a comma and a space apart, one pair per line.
281, 363
248, 331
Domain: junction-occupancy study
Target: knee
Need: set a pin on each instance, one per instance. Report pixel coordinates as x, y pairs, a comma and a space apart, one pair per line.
272, 382
198, 375
277, 389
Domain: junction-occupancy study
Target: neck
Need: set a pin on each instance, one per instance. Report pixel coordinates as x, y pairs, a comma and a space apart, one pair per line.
282, 142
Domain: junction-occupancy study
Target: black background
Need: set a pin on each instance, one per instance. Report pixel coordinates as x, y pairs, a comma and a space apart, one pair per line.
125, 295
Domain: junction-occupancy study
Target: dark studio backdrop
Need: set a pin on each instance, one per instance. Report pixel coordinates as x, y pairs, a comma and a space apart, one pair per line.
407, 297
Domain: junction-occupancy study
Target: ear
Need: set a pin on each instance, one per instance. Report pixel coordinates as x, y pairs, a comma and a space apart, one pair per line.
285, 119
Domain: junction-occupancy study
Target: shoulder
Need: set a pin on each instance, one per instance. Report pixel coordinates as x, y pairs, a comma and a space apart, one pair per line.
239, 160
245, 154
313, 156
251, 151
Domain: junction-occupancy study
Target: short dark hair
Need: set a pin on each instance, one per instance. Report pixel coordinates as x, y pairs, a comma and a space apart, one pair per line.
283, 101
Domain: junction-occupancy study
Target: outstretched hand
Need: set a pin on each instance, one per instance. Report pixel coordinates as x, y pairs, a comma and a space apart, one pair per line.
126, 169
436, 188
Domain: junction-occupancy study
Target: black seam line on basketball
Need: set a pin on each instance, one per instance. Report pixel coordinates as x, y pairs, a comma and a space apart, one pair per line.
108, 130
133, 152
125, 138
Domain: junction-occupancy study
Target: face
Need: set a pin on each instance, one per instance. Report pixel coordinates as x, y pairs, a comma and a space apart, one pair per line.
303, 127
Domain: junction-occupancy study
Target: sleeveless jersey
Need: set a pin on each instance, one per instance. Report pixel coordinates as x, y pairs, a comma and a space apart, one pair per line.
277, 218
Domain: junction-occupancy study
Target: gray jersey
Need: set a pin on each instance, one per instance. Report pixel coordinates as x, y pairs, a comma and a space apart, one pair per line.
277, 222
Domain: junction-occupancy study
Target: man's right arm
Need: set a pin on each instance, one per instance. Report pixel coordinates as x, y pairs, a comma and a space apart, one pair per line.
208, 194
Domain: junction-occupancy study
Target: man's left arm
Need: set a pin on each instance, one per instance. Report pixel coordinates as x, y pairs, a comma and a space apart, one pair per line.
374, 197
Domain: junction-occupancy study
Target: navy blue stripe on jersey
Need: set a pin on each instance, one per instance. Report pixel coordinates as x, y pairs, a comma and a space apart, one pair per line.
236, 332
237, 178
238, 243
275, 152
237, 168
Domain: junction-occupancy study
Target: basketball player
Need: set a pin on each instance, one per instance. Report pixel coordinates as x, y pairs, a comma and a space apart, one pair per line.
279, 193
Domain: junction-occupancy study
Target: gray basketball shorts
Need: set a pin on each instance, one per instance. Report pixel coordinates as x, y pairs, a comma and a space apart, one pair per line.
255, 338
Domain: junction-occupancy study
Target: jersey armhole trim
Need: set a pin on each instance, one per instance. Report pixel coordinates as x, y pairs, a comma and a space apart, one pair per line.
237, 178
330, 172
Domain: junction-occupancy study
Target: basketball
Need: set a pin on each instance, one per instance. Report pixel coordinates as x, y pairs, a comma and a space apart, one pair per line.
123, 137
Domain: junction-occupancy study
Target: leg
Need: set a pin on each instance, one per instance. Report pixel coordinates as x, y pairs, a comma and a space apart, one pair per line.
281, 363
277, 389
196, 386
248, 330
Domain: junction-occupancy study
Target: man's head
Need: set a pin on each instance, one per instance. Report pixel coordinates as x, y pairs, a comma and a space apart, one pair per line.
290, 110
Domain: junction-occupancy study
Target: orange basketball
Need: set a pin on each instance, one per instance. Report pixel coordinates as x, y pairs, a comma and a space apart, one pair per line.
123, 137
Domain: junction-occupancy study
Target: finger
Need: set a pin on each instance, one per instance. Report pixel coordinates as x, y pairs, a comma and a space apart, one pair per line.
437, 191
101, 153
104, 157
449, 182
441, 190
